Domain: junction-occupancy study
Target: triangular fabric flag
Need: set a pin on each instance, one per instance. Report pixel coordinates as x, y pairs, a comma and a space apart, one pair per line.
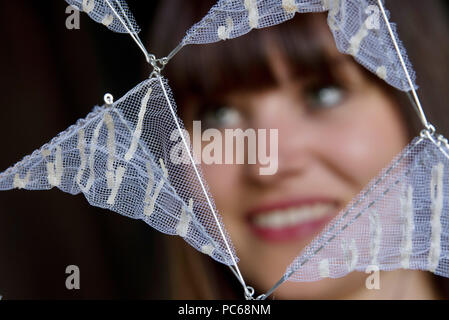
399, 220
128, 157
114, 14
357, 27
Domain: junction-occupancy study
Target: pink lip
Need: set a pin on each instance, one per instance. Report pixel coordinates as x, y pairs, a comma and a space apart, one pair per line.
298, 232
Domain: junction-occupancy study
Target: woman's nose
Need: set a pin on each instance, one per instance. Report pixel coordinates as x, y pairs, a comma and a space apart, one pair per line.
287, 143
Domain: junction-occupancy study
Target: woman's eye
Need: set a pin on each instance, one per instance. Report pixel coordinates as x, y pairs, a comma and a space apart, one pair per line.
324, 96
222, 117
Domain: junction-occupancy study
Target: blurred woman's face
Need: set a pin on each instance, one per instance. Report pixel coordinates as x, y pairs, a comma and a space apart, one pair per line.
333, 138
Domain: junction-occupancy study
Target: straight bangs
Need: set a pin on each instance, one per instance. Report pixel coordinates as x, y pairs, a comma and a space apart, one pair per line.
208, 71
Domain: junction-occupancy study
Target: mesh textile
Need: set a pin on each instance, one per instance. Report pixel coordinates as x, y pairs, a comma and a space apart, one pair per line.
357, 27
101, 12
399, 220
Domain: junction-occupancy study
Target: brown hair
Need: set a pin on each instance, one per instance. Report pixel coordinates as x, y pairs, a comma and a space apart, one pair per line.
208, 70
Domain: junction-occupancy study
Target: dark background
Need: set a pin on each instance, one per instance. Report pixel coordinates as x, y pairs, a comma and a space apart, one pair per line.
50, 77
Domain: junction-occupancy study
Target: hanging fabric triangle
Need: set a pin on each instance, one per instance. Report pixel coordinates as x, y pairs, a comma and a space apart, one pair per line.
400, 220
128, 157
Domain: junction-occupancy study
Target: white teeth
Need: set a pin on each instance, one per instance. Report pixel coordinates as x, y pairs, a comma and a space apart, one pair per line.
277, 219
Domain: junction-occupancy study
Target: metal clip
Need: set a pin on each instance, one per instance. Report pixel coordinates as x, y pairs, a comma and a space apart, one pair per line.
249, 293
108, 99
428, 132
157, 64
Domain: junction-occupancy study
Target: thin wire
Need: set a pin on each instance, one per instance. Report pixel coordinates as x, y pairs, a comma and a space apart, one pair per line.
404, 67
240, 277
133, 35
175, 51
412, 101
131, 26
236, 275
269, 292
203, 22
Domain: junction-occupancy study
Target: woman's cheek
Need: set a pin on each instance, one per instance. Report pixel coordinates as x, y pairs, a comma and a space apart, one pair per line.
366, 139
223, 181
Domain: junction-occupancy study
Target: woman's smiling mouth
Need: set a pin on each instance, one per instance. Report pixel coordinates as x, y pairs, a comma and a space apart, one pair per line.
291, 220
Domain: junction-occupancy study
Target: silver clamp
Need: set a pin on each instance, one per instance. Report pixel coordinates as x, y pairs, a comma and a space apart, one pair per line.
428, 132
157, 64
249, 293
108, 99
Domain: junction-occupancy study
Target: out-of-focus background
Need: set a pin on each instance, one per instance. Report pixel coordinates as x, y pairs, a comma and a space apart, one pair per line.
50, 77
